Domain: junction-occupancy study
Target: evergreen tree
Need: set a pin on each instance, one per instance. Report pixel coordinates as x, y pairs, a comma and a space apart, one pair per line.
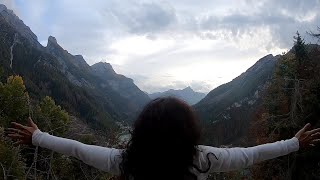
50, 117
14, 101
299, 48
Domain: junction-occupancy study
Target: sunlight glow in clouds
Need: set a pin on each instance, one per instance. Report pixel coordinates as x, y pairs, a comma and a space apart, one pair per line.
176, 63
171, 44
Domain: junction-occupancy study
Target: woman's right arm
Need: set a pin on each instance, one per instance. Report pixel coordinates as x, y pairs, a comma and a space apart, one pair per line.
228, 159
105, 159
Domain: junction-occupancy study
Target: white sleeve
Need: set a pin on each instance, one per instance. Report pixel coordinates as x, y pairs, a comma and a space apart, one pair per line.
105, 159
228, 159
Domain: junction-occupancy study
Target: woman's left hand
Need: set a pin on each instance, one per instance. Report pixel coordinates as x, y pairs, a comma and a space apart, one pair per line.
22, 134
308, 138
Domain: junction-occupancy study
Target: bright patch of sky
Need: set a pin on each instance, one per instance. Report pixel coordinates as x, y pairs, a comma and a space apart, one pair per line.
171, 44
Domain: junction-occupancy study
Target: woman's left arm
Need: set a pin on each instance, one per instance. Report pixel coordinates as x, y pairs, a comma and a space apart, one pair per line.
106, 159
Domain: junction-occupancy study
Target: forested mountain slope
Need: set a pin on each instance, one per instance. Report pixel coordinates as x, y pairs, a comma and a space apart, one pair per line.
225, 111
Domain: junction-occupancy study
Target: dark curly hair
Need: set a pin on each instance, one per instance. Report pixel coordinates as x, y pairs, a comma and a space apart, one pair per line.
163, 142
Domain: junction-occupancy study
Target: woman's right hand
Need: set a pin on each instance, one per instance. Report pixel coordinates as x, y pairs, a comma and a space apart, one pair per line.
308, 138
22, 134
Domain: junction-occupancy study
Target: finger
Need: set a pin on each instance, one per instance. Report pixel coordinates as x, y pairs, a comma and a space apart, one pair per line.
306, 127
18, 143
314, 131
16, 131
307, 138
15, 136
315, 141
32, 123
8, 130
19, 126
315, 135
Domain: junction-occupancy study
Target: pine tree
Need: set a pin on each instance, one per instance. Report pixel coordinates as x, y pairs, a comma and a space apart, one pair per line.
14, 101
299, 48
51, 117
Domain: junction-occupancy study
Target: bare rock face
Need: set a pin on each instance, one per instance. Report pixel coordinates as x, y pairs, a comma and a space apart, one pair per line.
52, 40
104, 69
18, 24
53, 44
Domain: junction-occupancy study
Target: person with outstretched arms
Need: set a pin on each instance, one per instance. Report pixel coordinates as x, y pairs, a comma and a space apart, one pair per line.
164, 144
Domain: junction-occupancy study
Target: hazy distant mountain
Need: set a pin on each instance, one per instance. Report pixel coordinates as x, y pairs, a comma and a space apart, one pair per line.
187, 94
228, 108
95, 93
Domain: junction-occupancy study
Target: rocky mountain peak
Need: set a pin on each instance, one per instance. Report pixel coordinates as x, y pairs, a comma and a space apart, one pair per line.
81, 61
52, 43
103, 68
188, 89
2, 7
261, 63
79, 56
13, 20
52, 39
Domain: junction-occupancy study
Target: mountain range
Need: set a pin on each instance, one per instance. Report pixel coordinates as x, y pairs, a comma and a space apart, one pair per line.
101, 97
187, 94
95, 93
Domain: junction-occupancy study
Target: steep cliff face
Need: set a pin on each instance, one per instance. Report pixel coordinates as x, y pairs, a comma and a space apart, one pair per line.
16, 23
125, 86
227, 109
74, 67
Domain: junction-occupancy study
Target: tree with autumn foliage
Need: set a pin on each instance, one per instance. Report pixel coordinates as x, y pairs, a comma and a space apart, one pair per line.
14, 100
292, 100
24, 162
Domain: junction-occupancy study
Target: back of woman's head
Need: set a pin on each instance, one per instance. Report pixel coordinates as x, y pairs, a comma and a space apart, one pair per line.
163, 141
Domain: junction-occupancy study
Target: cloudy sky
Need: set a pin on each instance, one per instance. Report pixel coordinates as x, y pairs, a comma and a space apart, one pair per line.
171, 44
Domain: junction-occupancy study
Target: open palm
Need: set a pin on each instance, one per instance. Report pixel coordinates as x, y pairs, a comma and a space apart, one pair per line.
20, 133
308, 138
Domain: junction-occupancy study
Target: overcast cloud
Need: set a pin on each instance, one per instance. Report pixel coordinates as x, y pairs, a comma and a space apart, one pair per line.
171, 44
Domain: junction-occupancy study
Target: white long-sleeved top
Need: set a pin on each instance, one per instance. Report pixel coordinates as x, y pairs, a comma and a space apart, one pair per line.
221, 159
